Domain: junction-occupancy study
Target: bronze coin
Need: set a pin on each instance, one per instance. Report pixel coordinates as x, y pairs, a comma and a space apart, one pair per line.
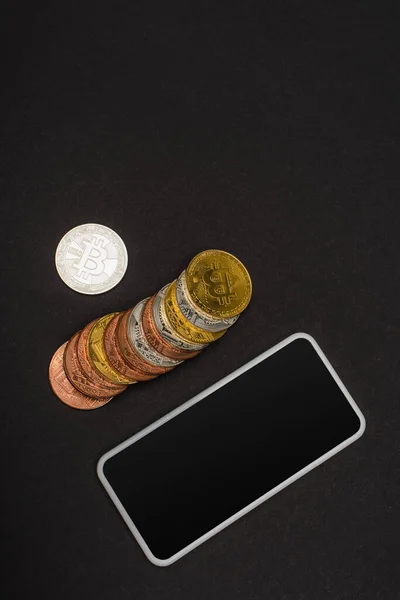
64, 390
130, 354
114, 354
155, 339
76, 376
87, 367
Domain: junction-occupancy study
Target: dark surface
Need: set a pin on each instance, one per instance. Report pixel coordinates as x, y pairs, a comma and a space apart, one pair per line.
270, 130
228, 450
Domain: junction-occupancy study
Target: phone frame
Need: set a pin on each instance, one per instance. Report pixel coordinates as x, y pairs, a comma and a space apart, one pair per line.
185, 406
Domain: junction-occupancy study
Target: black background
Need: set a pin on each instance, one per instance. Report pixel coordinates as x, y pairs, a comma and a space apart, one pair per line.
215, 458
268, 129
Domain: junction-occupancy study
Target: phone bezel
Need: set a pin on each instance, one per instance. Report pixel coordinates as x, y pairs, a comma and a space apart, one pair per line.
185, 406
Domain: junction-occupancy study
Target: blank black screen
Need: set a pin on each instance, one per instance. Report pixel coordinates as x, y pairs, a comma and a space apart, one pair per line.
213, 459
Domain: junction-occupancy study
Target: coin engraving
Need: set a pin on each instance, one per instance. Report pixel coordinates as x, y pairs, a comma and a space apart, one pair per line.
75, 374
91, 258
129, 352
92, 261
115, 356
193, 315
96, 352
218, 284
156, 340
88, 369
182, 326
64, 390
165, 328
140, 343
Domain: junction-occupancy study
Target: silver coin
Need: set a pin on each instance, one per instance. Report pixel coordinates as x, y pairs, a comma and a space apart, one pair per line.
91, 258
140, 343
193, 315
164, 328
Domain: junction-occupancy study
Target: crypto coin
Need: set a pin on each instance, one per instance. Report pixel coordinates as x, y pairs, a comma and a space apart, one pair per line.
193, 315
182, 326
154, 336
156, 340
140, 343
88, 369
129, 353
96, 352
65, 391
112, 351
75, 374
91, 258
218, 284
114, 354
164, 327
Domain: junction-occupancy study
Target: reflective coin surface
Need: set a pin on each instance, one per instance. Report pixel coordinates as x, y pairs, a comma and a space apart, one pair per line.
91, 258
64, 390
110, 389
181, 325
97, 354
114, 353
193, 314
155, 338
218, 284
129, 353
75, 374
164, 327
140, 343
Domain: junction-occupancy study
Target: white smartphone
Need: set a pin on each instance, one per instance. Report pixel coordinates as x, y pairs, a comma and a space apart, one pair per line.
205, 464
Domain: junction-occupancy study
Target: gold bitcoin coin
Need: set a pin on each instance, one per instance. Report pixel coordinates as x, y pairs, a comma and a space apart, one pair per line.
96, 352
181, 326
218, 284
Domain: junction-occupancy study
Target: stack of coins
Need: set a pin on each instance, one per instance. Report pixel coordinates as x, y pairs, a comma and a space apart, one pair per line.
153, 337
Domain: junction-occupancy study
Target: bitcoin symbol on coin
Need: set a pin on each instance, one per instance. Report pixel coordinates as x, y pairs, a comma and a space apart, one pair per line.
219, 284
92, 260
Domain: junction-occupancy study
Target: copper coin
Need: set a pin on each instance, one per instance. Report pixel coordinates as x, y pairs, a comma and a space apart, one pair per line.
87, 367
155, 339
115, 357
64, 390
76, 376
140, 343
130, 354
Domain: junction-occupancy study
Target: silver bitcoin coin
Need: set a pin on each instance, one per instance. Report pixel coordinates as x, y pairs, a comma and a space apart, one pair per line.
164, 327
91, 258
140, 343
194, 316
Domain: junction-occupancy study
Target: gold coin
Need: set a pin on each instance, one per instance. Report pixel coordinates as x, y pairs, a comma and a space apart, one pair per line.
181, 326
97, 353
218, 284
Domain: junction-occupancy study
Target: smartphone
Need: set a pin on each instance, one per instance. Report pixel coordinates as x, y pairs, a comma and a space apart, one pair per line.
201, 467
